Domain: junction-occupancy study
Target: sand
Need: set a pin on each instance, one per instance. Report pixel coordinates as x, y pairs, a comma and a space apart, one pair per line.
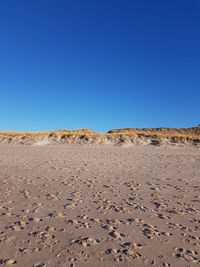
73, 205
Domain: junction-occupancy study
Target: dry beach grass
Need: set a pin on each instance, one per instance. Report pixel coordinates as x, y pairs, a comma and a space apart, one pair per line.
156, 136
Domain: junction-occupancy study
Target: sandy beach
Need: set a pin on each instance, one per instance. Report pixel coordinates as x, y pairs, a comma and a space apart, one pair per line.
76, 205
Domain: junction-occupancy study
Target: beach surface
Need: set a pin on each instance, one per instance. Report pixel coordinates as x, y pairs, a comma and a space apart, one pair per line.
80, 205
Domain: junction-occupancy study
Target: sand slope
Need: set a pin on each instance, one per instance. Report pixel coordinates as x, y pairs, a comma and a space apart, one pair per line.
99, 206
119, 137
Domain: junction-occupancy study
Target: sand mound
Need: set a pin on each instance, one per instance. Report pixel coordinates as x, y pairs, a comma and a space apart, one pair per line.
42, 142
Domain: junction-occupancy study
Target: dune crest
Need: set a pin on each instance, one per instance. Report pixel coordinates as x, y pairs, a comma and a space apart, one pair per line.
120, 137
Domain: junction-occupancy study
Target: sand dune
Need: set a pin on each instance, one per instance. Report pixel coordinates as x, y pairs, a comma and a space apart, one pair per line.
71, 205
119, 137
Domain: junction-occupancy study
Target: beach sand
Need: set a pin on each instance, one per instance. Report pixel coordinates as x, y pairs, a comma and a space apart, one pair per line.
73, 205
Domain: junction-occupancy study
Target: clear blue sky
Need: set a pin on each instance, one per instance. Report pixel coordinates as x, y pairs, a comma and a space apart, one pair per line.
99, 64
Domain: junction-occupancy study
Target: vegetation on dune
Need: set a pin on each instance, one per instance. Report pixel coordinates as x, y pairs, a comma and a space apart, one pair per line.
175, 134
172, 134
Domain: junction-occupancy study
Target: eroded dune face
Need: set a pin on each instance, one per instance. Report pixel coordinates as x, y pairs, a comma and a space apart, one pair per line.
71, 205
120, 137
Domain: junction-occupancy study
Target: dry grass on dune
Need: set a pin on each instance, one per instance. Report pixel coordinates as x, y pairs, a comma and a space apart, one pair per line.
54, 132
172, 134
182, 134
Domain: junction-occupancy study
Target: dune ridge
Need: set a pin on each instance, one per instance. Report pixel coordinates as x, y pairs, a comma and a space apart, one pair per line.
125, 136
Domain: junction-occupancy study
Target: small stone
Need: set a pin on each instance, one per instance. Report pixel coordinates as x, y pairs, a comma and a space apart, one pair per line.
131, 251
16, 228
93, 241
115, 251
115, 234
11, 261
39, 265
84, 244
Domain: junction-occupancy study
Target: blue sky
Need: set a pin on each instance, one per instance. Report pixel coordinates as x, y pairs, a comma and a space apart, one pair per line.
99, 64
